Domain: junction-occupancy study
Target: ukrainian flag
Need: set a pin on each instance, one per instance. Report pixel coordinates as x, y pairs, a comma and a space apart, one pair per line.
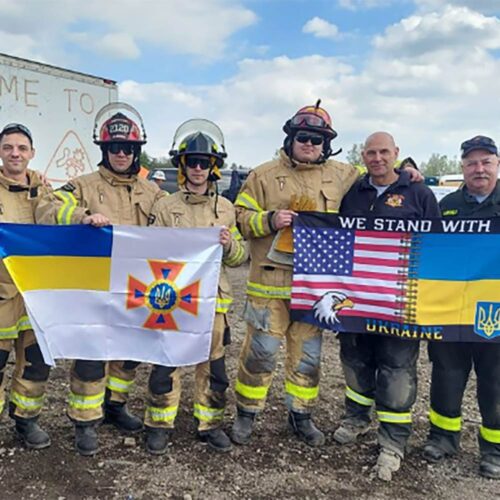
119, 292
57, 258
457, 276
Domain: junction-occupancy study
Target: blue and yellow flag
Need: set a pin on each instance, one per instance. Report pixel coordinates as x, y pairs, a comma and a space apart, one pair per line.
424, 279
143, 294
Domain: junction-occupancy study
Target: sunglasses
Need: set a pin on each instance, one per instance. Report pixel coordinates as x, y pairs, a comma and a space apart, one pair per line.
315, 139
127, 147
201, 161
17, 127
310, 120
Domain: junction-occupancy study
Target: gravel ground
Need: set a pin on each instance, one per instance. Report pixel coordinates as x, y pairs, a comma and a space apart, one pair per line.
274, 465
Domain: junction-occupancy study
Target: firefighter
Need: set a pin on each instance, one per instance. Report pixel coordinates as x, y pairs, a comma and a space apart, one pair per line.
114, 194
198, 152
20, 192
301, 178
453, 361
381, 371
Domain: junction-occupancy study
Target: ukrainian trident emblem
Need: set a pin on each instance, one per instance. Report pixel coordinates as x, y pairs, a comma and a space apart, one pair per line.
487, 319
162, 296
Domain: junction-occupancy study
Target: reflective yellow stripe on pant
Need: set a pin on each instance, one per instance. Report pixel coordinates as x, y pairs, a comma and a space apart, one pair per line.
452, 424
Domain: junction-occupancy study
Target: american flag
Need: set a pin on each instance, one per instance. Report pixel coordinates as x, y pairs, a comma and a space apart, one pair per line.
369, 267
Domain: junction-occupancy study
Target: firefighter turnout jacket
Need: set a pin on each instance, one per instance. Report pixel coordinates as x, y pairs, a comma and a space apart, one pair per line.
18, 203
189, 210
125, 200
276, 185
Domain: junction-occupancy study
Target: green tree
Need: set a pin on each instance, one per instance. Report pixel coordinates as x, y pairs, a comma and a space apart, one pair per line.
439, 165
353, 155
151, 163
146, 160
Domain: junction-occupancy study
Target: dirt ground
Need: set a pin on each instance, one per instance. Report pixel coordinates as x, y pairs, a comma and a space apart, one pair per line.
274, 465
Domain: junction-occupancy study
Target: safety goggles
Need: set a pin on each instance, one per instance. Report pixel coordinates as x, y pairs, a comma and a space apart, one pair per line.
304, 137
308, 119
127, 147
17, 127
203, 162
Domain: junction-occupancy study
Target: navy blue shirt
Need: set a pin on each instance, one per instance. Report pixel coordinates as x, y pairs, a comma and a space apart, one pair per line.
404, 199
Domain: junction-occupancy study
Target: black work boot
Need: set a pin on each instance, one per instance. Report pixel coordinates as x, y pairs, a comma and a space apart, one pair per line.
242, 429
118, 415
32, 435
215, 438
157, 439
489, 469
86, 439
303, 427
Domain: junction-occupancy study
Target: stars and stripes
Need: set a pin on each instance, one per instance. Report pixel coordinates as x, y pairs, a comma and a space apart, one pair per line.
369, 267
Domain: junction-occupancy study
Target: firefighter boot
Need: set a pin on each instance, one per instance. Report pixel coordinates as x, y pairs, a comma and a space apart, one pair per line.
303, 427
118, 415
489, 469
349, 430
216, 439
86, 439
157, 440
242, 429
32, 435
387, 463
433, 453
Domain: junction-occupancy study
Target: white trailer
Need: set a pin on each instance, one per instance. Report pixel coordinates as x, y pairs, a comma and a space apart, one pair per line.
58, 106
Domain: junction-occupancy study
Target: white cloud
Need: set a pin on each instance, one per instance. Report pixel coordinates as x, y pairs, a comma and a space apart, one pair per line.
199, 28
486, 6
23, 45
321, 28
431, 79
455, 29
113, 45
119, 46
251, 107
430, 99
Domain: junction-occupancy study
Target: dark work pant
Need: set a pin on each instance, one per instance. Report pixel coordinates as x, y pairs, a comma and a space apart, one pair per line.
381, 369
451, 366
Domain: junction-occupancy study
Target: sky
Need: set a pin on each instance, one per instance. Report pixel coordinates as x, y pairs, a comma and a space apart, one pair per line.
427, 71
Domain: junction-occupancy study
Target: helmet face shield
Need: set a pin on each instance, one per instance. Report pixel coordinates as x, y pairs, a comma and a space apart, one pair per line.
198, 142
118, 127
119, 122
203, 128
308, 120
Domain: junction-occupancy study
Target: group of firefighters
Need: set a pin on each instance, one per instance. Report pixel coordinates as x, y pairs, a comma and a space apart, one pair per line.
380, 372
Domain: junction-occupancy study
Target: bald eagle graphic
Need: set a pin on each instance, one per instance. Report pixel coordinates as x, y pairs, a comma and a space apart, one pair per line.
327, 308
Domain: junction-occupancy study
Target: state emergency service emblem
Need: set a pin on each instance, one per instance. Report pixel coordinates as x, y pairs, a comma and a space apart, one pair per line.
487, 319
395, 200
162, 296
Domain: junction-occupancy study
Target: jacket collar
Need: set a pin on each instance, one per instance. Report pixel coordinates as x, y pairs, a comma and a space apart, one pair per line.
34, 182
116, 180
285, 160
402, 180
197, 199
493, 197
